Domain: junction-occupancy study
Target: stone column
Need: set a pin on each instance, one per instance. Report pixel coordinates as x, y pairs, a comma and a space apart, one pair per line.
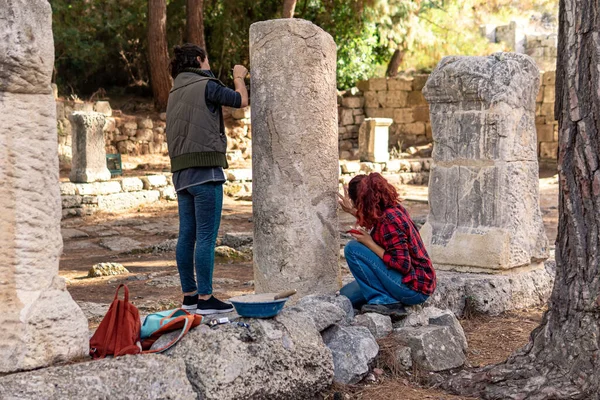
39, 322
484, 232
295, 157
483, 187
373, 140
89, 153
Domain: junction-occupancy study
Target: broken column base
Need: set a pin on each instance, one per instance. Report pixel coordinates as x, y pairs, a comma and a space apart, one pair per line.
493, 294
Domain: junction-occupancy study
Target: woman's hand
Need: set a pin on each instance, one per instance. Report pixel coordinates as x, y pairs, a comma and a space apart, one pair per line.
345, 202
364, 237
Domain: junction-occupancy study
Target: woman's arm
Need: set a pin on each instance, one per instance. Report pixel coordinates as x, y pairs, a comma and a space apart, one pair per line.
239, 73
395, 254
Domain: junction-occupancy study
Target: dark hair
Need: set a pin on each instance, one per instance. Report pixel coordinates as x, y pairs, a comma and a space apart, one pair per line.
353, 187
371, 195
185, 57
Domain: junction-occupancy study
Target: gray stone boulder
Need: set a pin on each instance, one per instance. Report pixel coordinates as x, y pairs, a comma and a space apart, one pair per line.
237, 240
133, 377
279, 358
106, 269
447, 318
353, 349
323, 314
379, 325
403, 357
433, 348
492, 294
338, 300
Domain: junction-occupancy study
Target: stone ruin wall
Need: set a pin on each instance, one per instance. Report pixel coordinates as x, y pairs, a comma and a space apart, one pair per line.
401, 99
141, 135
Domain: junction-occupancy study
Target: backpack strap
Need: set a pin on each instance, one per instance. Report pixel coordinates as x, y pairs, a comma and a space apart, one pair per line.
186, 328
126, 296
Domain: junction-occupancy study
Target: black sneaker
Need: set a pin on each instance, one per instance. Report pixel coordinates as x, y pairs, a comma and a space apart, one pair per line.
394, 310
190, 303
213, 306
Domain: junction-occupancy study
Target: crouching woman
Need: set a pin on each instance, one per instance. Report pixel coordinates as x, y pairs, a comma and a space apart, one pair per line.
388, 259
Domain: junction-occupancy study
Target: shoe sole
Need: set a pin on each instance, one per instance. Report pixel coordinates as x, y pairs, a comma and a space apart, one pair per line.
189, 308
212, 311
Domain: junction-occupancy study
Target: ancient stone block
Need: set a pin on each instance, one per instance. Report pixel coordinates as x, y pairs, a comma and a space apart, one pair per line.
545, 132
89, 154
379, 84
286, 351
395, 99
371, 100
419, 81
421, 114
132, 184
400, 83
549, 78
154, 181
242, 174
40, 324
379, 325
415, 128
144, 135
433, 348
295, 145
549, 150
346, 117
373, 140
26, 49
404, 116
145, 123
353, 348
549, 93
353, 102
122, 201
103, 107
483, 188
415, 99
108, 378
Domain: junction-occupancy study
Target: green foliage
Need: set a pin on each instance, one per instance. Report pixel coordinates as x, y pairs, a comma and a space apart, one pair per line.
103, 43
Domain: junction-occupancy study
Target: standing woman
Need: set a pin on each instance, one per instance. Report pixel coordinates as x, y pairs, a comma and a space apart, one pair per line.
197, 146
387, 259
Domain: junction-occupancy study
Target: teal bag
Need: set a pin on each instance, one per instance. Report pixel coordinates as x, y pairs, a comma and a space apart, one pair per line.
157, 324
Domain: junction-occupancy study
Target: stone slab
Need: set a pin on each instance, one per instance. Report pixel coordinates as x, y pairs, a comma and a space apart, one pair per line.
493, 294
138, 377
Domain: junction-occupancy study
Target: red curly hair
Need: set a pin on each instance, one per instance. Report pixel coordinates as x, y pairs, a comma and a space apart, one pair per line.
371, 195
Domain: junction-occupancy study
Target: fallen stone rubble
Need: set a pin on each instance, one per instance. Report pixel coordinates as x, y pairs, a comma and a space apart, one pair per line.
298, 354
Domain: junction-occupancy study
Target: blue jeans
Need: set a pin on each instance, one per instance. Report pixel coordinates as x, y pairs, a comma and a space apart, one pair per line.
375, 283
200, 209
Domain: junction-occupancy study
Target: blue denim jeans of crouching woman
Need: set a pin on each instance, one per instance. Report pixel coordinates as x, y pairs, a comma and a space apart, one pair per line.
200, 208
375, 283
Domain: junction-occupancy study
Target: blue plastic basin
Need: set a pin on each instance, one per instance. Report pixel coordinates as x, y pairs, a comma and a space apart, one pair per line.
262, 309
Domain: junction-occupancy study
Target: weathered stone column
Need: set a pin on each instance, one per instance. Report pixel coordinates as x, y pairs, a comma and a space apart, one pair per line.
89, 153
373, 140
295, 157
39, 322
483, 187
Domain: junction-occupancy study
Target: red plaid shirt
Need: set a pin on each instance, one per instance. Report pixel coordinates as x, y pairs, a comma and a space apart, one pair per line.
404, 250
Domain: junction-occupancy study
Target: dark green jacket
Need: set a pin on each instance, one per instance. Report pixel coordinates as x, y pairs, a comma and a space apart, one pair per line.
195, 135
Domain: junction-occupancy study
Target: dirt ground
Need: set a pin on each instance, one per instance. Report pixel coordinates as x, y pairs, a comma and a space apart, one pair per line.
491, 339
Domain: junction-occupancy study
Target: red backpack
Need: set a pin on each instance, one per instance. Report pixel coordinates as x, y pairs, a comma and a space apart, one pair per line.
119, 331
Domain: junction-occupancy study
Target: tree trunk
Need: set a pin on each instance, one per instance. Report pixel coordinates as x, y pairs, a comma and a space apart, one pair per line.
158, 53
288, 8
195, 22
562, 359
394, 64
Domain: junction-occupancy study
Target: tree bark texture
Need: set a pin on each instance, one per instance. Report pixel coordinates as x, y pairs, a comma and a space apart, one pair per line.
394, 64
288, 8
158, 53
562, 359
195, 22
